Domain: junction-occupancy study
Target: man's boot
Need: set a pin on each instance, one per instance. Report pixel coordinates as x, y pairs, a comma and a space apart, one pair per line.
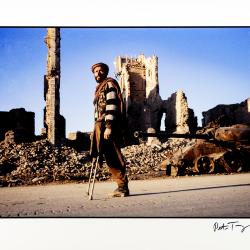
121, 191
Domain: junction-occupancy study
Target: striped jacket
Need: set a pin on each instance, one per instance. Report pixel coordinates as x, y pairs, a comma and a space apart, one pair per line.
107, 103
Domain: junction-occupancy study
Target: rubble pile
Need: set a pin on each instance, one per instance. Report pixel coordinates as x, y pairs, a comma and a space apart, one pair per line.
145, 161
40, 162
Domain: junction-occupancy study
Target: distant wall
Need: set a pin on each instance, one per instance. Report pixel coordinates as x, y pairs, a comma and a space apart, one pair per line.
79, 141
226, 115
18, 120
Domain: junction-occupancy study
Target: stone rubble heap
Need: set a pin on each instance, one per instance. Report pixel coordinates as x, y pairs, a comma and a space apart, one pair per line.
40, 162
144, 160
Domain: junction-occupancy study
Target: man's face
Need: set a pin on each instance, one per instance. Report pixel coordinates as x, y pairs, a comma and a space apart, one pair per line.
100, 74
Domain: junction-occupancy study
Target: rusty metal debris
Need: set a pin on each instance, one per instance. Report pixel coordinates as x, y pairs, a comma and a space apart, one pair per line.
223, 149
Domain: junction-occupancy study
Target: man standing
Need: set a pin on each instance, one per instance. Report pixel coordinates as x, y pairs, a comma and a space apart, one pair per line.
106, 138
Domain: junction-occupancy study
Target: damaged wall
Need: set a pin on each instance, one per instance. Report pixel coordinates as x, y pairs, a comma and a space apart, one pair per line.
20, 121
226, 115
179, 118
54, 123
78, 140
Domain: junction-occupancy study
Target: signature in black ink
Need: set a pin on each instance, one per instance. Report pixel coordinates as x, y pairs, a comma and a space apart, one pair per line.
232, 225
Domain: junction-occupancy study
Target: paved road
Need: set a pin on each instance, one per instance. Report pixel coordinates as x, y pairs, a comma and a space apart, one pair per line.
198, 196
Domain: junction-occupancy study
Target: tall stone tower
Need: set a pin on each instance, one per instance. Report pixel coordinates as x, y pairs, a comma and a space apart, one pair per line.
138, 79
54, 123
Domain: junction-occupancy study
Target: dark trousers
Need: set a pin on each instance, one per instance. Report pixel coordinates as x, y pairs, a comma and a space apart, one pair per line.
112, 153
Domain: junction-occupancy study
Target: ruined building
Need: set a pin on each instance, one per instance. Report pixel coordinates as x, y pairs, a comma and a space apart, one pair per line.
20, 122
226, 115
138, 79
54, 123
140, 89
179, 117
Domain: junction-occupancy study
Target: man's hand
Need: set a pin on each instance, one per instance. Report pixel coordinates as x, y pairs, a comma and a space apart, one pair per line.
107, 133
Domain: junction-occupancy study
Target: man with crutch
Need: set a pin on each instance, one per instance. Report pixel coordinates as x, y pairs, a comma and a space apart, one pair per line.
107, 135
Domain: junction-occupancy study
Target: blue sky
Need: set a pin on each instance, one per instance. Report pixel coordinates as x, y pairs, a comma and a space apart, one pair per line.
211, 65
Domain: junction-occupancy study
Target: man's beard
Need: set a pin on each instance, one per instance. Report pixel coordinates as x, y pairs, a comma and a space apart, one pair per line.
99, 79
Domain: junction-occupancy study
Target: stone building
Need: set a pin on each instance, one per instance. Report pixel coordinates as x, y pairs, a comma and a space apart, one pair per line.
138, 79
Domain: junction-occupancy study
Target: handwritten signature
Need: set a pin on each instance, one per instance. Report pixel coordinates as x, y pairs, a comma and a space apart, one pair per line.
232, 225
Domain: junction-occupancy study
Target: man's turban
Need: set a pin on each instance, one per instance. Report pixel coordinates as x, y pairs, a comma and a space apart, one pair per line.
103, 65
